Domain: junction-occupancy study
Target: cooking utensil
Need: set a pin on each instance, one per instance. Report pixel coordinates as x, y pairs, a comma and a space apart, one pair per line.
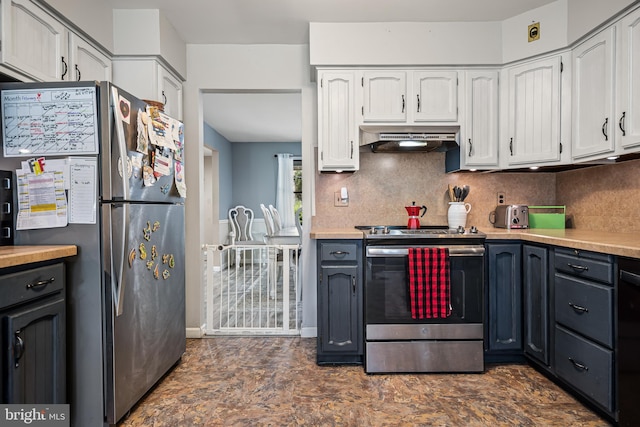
451, 195
414, 212
465, 193
457, 191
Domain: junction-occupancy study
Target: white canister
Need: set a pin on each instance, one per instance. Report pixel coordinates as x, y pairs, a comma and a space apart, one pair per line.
457, 214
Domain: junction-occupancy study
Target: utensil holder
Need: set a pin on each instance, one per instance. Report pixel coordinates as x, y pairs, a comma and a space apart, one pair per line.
457, 214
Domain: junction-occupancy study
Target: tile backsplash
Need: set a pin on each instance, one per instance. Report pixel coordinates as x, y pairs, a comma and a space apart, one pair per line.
597, 198
604, 198
386, 183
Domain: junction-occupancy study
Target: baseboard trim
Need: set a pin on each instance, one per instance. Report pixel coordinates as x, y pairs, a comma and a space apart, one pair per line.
309, 332
195, 332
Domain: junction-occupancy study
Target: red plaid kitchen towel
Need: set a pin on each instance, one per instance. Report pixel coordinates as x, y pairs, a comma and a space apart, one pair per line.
429, 283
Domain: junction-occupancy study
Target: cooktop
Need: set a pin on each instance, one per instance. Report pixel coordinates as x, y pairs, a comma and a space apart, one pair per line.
427, 231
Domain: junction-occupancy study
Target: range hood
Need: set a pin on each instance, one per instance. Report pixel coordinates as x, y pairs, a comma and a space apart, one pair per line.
402, 139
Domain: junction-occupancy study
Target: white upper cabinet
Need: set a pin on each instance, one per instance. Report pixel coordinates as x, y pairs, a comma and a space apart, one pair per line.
594, 120
533, 112
409, 96
627, 126
147, 78
436, 96
479, 133
34, 43
337, 130
86, 62
170, 93
384, 96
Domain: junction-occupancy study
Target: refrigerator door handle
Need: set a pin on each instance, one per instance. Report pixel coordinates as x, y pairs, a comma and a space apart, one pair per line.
118, 265
121, 142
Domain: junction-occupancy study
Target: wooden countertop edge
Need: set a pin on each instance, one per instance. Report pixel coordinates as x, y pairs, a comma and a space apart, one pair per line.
621, 244
11, 256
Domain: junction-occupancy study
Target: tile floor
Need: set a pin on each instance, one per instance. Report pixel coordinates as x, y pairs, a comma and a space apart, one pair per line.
274, 381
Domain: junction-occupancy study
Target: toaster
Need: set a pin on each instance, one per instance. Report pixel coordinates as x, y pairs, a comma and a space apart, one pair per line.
511, 216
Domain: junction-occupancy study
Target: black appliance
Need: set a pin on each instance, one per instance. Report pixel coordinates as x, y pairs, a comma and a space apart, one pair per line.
7, 225
628, 341
394, 341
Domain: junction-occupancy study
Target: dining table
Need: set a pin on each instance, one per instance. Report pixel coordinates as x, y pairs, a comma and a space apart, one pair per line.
284, 236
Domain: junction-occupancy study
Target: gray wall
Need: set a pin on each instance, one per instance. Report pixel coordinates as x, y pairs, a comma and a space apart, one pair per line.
215, 141
255, 172
247, 170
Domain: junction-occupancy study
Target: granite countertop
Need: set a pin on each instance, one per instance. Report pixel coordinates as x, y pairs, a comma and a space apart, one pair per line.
11, 256
622, 244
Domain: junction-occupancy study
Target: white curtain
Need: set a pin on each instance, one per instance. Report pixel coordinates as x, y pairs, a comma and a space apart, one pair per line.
284, 193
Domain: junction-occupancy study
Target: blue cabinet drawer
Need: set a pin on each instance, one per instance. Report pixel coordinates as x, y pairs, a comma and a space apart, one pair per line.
338, 252
30, 284
586, 366
585, 307
588, 265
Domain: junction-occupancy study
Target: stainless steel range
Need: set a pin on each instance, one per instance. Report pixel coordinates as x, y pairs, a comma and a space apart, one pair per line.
395, 341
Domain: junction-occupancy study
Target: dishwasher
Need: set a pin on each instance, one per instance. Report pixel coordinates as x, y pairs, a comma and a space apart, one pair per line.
628, 341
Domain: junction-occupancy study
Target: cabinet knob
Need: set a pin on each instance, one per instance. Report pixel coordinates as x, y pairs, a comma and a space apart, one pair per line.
19, 348
621, 123
40, 283
64, 69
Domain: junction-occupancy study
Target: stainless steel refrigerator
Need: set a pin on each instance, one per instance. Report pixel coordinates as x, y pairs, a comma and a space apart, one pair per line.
126, 286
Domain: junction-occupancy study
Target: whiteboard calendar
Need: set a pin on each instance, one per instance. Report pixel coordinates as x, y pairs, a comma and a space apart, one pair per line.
49, 121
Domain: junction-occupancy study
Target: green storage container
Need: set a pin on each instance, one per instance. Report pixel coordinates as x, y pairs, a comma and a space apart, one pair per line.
547, 216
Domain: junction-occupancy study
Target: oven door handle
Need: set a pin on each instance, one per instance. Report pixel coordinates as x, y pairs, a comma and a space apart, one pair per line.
401, 251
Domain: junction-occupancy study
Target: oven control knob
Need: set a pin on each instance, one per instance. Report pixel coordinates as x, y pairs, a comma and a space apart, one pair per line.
385, 230
460, 229
473, 229
373, 230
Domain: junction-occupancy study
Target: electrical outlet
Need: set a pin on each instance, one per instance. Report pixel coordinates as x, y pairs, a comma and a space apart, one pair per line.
501, 198
338, 201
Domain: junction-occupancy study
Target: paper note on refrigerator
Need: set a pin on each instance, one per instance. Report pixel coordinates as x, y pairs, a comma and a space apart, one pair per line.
83, 175
42, 202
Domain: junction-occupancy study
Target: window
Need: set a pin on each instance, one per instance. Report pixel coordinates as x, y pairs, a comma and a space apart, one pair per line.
297, 185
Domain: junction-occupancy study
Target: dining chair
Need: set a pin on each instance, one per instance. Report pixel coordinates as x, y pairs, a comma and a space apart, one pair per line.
277, 222
275, 255
268, 220
241, 237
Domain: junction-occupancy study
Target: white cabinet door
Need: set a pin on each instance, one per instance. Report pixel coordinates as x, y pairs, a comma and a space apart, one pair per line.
33, 42
337, 143
87, 62
534, 111
593, 96
384, 96
435, 96
146, 78
628, 91
170, 93
479, 135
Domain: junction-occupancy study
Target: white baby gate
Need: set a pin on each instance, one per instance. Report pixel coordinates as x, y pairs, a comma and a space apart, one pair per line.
253, 290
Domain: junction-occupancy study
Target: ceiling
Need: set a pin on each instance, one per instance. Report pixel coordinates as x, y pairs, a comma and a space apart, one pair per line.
276, 117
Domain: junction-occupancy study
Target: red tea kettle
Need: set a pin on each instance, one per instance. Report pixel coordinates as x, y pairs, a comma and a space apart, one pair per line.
414, 213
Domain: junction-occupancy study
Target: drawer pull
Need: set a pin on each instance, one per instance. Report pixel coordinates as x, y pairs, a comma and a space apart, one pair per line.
578, 308
578, 365
578, 267
40, 283
339, 253
19, 348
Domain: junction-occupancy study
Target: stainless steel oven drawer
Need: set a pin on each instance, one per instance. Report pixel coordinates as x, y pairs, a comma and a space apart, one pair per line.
425, 331
424, 356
